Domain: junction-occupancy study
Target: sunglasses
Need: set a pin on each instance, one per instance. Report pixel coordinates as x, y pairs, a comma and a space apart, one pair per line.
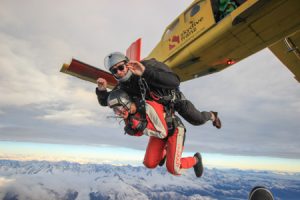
118, 68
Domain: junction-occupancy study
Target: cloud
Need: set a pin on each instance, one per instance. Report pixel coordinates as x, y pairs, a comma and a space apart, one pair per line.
80, 107
257, 99
25, 83
34, 44
258, 102
22, 81
5, 181
71, 116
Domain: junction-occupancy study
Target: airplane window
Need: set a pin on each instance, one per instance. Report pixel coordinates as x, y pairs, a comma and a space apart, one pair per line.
170, 30
194, 10
191, 12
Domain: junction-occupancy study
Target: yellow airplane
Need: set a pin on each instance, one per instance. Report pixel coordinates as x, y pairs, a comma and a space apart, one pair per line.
201, 41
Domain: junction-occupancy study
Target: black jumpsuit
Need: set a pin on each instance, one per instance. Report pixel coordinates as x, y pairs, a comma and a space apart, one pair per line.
161, 81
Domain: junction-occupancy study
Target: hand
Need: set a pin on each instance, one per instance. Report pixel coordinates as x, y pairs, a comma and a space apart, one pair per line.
136, 67
102, 84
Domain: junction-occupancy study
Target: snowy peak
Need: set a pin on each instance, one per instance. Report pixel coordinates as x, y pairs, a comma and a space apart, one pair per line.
66, 180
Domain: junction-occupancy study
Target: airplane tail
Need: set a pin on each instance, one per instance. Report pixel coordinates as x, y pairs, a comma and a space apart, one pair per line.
134, 50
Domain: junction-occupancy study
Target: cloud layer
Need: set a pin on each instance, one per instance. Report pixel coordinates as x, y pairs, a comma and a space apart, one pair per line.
258, 100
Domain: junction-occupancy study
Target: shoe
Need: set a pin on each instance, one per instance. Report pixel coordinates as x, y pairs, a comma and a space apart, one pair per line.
162, 162
198, 167
217, 122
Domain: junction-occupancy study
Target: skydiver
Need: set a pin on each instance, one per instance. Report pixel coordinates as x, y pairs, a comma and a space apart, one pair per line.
155, 81
163, 143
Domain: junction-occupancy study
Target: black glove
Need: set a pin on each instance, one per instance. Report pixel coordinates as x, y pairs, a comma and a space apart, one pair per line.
135, 124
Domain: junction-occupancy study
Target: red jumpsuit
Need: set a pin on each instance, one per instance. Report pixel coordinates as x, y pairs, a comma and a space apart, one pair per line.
161, 143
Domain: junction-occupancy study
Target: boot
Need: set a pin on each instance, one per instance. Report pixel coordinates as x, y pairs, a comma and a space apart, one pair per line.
217, 122
198, 167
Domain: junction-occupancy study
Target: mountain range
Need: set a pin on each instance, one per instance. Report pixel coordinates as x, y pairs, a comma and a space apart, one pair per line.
69, 181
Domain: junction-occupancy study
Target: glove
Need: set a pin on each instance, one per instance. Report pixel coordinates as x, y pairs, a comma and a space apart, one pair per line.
135, 124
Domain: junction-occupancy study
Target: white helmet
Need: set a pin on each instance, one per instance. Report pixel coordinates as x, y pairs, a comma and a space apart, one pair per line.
113, 59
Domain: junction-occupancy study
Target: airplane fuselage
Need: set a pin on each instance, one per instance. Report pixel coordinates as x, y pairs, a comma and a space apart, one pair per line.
196, 44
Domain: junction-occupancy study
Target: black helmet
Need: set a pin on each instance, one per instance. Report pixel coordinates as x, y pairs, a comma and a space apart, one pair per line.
119, 98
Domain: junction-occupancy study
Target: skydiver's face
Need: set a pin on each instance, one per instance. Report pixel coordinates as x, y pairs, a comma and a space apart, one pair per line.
121, 111
119, 70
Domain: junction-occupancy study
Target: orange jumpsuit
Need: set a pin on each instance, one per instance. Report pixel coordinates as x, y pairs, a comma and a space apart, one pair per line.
162, 143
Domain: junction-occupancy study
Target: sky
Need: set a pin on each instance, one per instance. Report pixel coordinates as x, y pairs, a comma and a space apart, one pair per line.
257, 98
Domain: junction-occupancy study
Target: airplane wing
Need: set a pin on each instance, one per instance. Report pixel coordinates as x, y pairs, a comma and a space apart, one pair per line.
87, 72
288, 52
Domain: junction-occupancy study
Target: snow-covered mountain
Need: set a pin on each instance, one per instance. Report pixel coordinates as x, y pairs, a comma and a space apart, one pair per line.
68, 181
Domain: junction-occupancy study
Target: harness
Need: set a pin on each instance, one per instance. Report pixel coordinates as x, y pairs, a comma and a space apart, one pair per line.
134, 124
167, 101
138, 124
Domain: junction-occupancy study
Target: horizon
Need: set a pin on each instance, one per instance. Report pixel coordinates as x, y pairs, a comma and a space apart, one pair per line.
84, 154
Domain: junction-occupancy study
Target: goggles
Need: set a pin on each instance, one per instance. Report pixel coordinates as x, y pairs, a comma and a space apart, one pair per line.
120, 110
114, 70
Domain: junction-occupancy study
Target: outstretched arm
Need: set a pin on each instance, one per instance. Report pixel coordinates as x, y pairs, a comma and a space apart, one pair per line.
102, 96
101, 91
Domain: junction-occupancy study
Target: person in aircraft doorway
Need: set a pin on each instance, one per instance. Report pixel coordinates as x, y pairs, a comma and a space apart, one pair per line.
152, 80
164, 145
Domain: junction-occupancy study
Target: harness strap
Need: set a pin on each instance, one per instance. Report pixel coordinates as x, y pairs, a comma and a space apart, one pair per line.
141, 103
169, 118
143, 87
166, 101
176, 122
